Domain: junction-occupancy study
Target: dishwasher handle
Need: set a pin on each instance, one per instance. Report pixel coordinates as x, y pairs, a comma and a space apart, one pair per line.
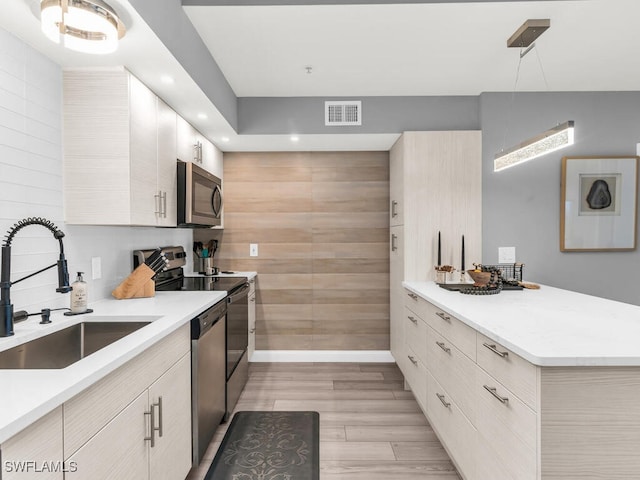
243, 291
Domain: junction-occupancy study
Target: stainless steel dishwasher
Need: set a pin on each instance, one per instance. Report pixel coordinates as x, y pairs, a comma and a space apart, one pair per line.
208, 362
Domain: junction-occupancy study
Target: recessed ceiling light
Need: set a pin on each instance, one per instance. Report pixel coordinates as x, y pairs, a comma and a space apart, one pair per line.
225, 139
167, 79
294, 138
202, 116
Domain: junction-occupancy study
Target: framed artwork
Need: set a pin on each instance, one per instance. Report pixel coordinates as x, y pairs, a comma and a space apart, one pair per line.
598, 203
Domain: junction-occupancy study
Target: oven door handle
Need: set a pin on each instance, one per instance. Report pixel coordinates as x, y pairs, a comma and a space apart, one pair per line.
241, 292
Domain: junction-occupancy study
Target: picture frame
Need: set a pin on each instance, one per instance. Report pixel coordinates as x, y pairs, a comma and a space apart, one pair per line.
598, 206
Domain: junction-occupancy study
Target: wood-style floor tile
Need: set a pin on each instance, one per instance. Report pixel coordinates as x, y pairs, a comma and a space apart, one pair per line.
370, 427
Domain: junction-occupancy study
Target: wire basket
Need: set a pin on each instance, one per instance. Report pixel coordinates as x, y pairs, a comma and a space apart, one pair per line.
508, 271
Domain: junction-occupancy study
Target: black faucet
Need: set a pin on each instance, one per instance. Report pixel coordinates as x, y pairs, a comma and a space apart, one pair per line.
6, 308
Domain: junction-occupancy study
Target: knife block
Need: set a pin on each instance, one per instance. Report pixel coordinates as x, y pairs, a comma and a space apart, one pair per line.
138, 284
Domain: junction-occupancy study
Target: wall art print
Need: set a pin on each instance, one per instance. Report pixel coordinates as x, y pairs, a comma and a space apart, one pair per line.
599, 199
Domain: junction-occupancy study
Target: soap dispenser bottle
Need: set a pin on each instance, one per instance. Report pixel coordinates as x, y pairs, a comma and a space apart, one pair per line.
79, 295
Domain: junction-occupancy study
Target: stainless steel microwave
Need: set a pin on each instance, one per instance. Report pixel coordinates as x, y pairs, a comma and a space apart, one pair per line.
199, 197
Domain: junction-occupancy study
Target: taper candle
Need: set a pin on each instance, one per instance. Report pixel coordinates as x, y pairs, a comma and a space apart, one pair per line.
462, 262
439, 248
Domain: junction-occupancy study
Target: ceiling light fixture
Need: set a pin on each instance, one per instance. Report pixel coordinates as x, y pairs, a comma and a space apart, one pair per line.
554, 139
225, 139
202, 116
88, 26
547, 142
167, 79
294, 138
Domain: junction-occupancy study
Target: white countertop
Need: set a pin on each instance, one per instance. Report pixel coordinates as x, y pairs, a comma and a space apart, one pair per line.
548, 327
27, 395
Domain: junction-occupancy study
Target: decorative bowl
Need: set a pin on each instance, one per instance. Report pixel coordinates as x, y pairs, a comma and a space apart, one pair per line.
481, 279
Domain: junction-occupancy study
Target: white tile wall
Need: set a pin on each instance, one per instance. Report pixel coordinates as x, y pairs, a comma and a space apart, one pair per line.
31, 182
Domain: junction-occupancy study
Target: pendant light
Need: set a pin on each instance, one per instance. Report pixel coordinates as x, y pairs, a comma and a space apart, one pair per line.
88, 26
553, 139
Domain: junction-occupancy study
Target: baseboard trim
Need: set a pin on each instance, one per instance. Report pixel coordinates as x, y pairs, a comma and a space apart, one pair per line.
345, 356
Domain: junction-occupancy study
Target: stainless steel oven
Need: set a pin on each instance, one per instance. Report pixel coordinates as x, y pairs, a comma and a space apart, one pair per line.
237, 344
199, 196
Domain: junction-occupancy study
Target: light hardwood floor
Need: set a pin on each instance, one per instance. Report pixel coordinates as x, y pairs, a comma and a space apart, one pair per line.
370, 427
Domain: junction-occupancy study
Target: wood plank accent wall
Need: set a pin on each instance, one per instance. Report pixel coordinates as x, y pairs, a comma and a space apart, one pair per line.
321, 222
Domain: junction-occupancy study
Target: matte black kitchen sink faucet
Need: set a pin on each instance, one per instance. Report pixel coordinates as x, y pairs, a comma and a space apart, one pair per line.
6, 308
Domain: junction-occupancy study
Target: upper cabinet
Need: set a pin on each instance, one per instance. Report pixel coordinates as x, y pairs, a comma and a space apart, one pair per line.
193, 147
121, 144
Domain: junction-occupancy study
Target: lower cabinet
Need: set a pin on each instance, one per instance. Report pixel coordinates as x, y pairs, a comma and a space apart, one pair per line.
251, 347
150, 438
500, 417
36, 452
135, 423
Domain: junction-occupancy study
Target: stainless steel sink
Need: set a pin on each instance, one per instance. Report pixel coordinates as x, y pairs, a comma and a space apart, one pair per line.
65, 347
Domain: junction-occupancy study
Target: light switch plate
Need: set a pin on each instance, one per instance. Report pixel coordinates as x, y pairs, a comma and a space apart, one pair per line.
96, 268
253, 249
506, 254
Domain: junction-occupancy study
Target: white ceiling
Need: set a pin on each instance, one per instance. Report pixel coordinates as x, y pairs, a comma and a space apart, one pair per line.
364, 50
420, 49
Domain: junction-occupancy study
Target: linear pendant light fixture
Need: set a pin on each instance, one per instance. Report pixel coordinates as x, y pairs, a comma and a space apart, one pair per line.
547, 142
554, 139
88, 26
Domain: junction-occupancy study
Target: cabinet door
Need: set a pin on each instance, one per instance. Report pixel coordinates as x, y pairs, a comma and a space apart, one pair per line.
170, 457
252, 326
396, 183
144, 153
167, 155
119, 450
211, 157
396, 267
40, 443
186, 140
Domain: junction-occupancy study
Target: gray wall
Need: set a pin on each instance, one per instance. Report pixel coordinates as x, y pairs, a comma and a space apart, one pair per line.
305, 115
521, 205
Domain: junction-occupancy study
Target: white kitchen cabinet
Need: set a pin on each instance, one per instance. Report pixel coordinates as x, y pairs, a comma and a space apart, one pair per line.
252, 319
35, 453
119, 151
194, 147
435, 185
108, 427
187, 138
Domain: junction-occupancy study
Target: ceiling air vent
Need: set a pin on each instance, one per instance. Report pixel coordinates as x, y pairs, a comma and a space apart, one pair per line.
339, 114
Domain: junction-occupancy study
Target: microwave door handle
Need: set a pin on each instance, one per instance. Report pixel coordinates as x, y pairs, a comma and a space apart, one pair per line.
216, 193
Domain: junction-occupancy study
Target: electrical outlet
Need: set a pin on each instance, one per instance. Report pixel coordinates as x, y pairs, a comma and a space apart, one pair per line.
96, 268
506, 254
253, 249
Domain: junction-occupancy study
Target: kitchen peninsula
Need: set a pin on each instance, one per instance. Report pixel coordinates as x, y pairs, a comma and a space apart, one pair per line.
539, 384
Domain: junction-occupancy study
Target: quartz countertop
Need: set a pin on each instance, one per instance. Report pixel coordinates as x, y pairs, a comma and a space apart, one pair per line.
548, 327
27, 395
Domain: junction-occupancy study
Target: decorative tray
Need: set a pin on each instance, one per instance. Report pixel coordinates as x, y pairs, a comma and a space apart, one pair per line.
456, 287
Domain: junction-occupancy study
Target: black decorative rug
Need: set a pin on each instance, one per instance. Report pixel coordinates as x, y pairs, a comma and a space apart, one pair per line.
269, 446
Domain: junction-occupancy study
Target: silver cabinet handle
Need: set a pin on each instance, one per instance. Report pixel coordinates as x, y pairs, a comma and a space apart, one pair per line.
444, 316
443, 347
413, 296
200, 151
413, 360
394, 210
494, 349
493, 392
195, 152
152, 426
158, 203
413, 319
160, 416
442, 400
164, 204
394, 247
